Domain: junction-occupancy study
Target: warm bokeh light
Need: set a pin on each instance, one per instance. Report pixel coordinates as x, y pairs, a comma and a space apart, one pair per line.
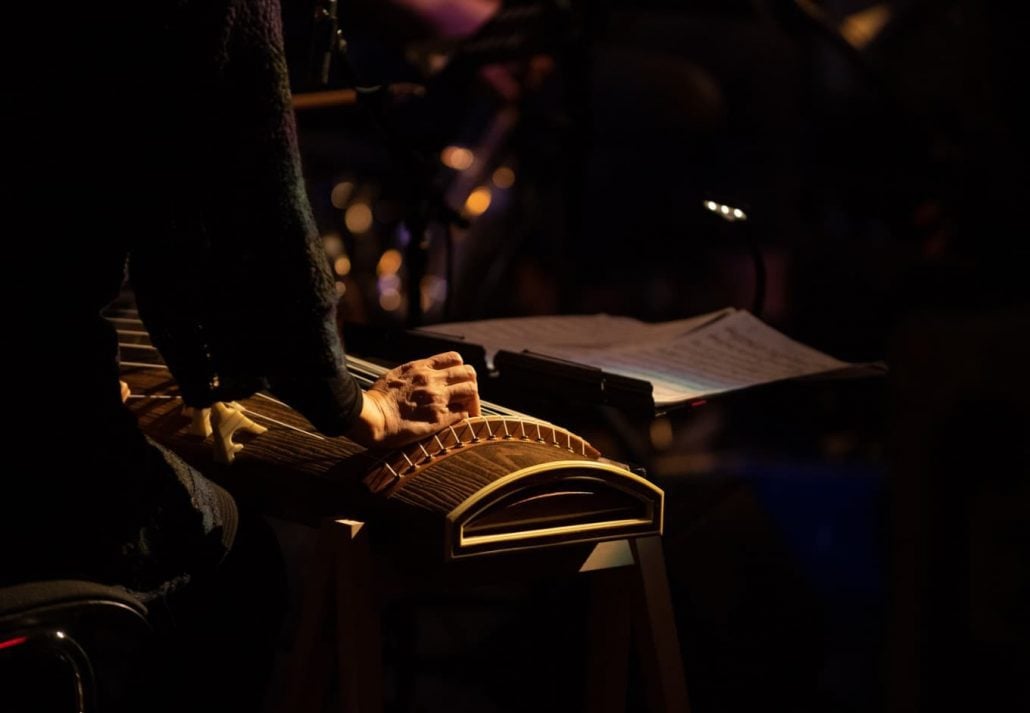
711, 205
661, 434
739, 214
341, 194
433, 290
341, 288
862, 27
333, 245
478, 201
341, 266
503, 177
389, 282
457, 157
389, 262
390, 300
358, 218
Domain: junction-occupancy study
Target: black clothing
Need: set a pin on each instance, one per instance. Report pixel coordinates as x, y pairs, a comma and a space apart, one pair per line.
156, 141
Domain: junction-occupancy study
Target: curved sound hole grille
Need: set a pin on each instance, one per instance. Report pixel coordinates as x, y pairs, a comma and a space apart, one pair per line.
553, 505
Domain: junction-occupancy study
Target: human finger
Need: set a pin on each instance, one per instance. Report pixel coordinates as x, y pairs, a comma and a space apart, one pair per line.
445, 360
432, 417
427, 396
474, 406
464, 397
459, 374
437, 361
466, 394
462, 392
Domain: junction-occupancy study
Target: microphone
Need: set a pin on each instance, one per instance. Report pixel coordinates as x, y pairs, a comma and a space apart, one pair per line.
323, 41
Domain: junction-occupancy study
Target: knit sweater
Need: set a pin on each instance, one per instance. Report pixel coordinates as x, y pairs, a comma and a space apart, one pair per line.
159, 136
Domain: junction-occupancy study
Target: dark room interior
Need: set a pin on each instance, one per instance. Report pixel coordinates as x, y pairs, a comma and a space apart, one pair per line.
851, 173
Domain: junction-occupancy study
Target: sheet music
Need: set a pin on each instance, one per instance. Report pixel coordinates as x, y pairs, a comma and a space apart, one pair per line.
734, 352
544, 335
684, 359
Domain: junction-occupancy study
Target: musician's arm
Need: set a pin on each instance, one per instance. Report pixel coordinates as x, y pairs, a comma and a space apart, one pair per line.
262, 309
409, 402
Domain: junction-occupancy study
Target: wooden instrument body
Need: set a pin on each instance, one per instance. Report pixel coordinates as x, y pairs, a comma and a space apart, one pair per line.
502, 482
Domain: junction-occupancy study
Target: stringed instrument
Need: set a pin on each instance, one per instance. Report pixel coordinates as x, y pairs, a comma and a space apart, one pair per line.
500, 482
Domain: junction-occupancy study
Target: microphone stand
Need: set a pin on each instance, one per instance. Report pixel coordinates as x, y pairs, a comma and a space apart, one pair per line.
324, 37
425, 203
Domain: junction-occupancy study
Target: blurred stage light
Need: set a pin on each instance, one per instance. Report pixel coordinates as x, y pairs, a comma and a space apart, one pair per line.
389, 282
457, 157
389, 262
503, 177
341, 194
358, 218
478, 201
726, 212
333, 245
390, 300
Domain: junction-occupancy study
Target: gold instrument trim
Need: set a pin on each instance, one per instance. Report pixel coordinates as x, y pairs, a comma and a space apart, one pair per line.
467, 541
458, 543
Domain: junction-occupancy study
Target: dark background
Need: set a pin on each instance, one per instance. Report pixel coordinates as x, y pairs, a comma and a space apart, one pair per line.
832, 546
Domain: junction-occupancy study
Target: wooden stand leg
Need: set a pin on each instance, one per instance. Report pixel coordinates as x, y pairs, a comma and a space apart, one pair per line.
358, 631
340, 588
308, 671
623, 599
609, 641
655, 627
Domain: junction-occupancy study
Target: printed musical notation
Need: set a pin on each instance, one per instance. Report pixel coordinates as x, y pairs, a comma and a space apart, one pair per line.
682, 360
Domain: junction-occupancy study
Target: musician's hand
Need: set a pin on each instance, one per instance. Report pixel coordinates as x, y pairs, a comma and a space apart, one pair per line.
416, 400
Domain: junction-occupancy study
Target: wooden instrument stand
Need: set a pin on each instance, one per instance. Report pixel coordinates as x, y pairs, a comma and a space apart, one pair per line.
630, 601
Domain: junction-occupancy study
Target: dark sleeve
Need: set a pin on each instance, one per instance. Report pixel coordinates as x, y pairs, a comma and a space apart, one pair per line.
238, 294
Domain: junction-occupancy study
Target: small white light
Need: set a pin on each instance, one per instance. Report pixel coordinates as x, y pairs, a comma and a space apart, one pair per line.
724, 209
739, 214
711, 205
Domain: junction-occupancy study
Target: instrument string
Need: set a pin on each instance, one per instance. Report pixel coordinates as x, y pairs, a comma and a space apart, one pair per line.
316, 436
364, 371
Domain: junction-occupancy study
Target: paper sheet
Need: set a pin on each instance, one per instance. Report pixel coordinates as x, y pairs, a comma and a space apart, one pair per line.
544, 335
685, 359
734, 352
